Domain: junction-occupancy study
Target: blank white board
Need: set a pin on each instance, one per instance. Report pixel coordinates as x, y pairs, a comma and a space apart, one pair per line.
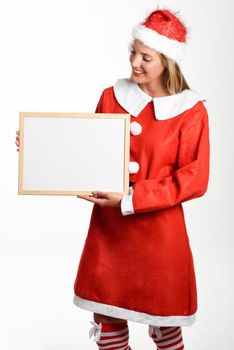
72, 153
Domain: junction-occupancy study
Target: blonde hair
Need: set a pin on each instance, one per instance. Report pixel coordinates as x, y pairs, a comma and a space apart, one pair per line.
174, 79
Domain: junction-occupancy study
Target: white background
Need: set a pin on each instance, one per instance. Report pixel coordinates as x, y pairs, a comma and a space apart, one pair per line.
58, 55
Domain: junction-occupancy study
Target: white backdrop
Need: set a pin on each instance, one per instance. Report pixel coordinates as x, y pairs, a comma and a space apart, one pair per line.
58, 55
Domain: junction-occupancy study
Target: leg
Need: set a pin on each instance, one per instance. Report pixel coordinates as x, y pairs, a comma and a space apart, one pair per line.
106, 319
110, 333
167, 338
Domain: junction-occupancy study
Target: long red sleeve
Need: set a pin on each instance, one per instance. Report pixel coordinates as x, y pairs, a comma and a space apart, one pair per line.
190, 180
99, 104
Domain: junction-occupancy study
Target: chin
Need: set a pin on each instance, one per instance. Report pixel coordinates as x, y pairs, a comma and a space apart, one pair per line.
136, 79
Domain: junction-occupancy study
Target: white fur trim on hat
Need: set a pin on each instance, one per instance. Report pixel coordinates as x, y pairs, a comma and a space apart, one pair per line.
135, 128
169, 47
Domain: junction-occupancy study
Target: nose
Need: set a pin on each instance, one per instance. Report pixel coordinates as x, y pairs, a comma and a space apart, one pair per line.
135, 61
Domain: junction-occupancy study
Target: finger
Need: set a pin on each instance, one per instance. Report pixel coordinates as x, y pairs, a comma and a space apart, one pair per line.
100, 194
17, 132
85, 196
91, 199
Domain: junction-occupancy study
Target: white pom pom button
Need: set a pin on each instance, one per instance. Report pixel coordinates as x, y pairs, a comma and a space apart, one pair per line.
133, 167
135, 128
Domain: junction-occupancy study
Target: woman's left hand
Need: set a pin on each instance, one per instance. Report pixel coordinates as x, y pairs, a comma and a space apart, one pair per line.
103, 199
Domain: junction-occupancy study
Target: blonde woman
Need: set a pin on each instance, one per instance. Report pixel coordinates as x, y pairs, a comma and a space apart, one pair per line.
137, 263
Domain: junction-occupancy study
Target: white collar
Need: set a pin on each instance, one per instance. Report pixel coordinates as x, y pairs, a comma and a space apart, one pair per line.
133, 100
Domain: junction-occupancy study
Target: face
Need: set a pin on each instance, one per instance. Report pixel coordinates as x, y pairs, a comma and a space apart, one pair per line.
147, 65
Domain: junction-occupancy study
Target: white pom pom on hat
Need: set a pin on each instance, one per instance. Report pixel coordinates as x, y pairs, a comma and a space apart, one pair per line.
164, 32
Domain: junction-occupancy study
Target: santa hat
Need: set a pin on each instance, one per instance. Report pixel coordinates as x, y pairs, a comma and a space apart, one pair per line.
164, 32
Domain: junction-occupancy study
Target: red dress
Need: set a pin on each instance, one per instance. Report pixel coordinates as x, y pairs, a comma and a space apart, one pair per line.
139, 266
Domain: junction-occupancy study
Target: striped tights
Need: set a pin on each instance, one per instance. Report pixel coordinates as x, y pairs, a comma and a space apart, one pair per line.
115, 336
169, 338
111, 335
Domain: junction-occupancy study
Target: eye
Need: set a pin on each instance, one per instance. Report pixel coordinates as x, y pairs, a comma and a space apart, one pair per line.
132, 52
147, 59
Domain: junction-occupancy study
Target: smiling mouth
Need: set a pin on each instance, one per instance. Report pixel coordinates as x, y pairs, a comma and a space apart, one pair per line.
135, 72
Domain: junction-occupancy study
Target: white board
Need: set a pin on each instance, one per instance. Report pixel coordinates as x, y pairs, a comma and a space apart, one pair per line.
72, 153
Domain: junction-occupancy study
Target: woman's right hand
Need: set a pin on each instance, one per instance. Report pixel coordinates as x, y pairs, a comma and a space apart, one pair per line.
17, 139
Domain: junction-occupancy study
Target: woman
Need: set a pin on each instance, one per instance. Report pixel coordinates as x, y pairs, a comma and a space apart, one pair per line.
136, 263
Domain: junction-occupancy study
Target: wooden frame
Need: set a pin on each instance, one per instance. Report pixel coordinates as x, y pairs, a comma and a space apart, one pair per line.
73, 153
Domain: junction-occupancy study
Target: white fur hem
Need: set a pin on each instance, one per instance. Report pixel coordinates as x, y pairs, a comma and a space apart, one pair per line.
131, 315
169, 47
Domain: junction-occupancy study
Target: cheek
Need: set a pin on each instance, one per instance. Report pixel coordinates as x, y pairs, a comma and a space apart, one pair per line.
155, 69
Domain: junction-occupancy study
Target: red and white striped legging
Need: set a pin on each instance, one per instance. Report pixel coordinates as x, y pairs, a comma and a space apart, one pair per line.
169, 338
111, 335
116, 335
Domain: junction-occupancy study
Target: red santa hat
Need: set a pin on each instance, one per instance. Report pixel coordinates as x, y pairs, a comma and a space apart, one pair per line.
164, 32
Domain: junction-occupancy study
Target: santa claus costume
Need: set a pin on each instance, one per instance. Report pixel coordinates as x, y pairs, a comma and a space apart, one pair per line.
136, 262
